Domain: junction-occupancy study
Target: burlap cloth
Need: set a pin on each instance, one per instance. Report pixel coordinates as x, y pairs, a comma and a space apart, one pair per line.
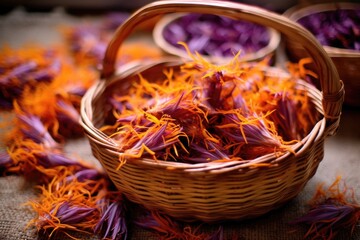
342, 157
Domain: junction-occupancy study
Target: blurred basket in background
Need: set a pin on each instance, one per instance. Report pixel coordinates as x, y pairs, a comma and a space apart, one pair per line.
211, 191
346, 60
216, 38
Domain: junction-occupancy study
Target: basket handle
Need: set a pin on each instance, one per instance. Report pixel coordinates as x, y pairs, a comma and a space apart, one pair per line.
331, 85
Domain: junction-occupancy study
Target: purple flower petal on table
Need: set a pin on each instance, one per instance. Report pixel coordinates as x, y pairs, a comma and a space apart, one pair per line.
70, 214
326, 220
112, 224
36, 131
47, 74
67, 112
85, 174
50, 159
18, 72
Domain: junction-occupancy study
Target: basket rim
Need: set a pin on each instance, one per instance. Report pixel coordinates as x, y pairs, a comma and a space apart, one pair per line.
160, 41
216, 167
297, 12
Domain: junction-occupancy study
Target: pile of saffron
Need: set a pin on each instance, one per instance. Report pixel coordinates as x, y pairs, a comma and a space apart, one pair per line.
205, 112
332, 210
213, 35
42, 88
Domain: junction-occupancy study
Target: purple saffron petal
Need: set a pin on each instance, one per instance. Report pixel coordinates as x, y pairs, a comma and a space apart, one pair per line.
35, 130
205, 34
113, 223
70, 214
67, 112
49, 160
256, 134
329, 219
85, 174
23, 69
201, 154
334, 28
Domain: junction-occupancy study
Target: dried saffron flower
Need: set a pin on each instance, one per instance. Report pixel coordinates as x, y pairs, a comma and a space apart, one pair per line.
209, 152
25, 67
112, 224
86, 174
59, 100
68, 205
206, 112
69, 117
331, 210
32, 128
36, 162
87, 42
49, 159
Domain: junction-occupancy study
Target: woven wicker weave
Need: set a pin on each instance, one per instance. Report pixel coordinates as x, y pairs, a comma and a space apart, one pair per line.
211, 191
347, 61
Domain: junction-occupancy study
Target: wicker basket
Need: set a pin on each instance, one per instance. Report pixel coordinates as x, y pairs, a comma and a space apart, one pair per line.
268, 50
347, 61
211, 191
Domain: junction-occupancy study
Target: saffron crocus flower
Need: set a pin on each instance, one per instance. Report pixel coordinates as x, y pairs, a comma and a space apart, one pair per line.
25, 67
202, 154
85, 174
326, 220
71, 214
69, 119
46, 74
63, 216
285, 117
112, 223
249, 130
87, 43
331, 210
33, 128
67, 205
48, 159
162, 134
18, 72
